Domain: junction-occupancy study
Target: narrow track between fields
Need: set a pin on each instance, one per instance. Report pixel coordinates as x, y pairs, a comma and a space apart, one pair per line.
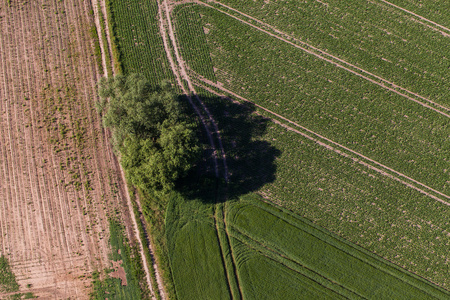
180, 71
99, 4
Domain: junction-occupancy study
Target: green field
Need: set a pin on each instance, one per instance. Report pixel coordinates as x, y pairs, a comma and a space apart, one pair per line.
136, 31
330, 101
348, 139
280, 239
372, 35
195, 254
8, 281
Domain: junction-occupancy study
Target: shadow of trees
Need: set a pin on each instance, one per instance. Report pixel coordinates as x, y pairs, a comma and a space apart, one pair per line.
249, 158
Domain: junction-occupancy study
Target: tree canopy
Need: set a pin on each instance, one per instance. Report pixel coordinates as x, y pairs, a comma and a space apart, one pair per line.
157, 143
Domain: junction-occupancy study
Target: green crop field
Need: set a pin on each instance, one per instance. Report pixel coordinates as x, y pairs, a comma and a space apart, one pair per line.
279, 239
136, 32
195, 254
337, 156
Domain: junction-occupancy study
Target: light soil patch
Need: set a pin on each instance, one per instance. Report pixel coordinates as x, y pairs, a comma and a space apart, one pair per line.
119, 272
59, 181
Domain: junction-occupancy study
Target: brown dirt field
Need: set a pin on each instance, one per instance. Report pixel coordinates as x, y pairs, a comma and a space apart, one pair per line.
59, 180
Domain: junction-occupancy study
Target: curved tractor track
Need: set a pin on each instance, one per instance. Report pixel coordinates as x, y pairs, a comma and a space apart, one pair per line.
178, 67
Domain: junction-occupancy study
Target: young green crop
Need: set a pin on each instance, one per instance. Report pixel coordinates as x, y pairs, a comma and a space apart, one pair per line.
139, 42
333, 102
371, 35
343, 268
190, 32
194, 250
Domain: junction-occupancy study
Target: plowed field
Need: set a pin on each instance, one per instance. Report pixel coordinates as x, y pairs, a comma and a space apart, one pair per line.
59, 181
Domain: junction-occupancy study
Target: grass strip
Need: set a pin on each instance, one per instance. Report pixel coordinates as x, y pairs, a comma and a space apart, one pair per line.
8, 281
126, 257
144, 239
105, 41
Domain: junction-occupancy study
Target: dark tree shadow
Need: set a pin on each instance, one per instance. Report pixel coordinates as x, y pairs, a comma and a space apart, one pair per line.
249, 158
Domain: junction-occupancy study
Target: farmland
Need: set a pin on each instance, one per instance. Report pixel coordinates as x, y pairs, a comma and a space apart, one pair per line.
60, 182
325, 153
384, 184
342, 128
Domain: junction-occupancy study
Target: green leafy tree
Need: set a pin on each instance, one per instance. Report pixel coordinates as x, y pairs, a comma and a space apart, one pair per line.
156, 142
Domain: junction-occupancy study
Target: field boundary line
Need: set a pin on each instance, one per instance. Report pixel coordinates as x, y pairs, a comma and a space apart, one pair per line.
418, 16
337, 145
323, 56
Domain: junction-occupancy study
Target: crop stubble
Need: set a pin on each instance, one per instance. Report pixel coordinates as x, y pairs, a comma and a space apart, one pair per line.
59, 182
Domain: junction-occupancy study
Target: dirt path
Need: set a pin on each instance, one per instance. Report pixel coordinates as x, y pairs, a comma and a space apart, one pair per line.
95, 6
331, 59
138, 237
335, 146
182, 70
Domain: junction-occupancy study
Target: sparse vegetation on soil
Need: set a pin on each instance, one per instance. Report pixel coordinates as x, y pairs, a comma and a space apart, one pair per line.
126, 278
60, 181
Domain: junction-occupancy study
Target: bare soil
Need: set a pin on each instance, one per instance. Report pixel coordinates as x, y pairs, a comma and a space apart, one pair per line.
59, 180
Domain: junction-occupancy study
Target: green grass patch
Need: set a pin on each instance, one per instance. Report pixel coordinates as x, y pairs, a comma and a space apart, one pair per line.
8, 281
129, 259
194, 251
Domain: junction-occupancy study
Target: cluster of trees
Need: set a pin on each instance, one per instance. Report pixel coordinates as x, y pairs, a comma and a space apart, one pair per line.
157, 144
